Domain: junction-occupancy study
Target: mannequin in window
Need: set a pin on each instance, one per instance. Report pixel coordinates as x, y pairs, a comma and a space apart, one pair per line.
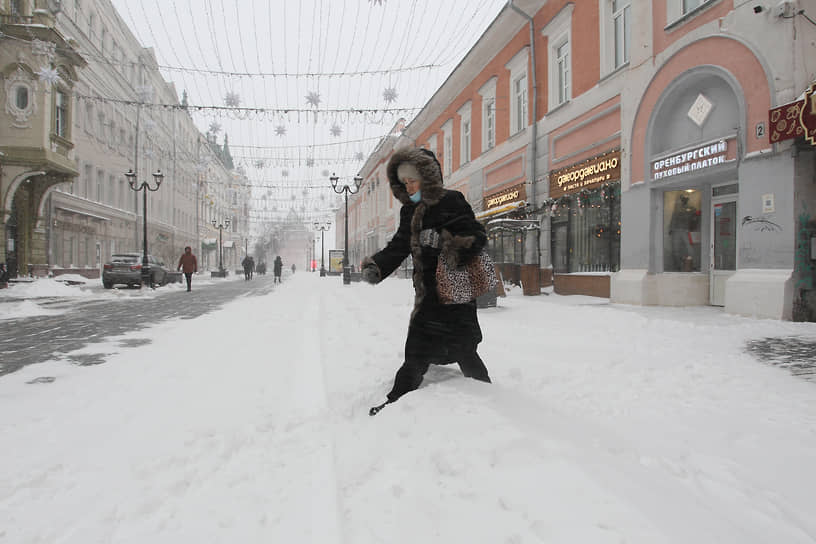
683, 220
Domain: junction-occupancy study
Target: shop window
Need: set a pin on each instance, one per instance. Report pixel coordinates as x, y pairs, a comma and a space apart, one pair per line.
681, 231
586, 231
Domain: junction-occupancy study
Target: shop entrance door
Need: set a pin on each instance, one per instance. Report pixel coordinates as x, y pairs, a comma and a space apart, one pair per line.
723, 249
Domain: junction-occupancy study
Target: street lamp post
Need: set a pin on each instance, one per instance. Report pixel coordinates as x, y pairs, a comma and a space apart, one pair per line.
221, 227
345, 191
145, 187
322, 227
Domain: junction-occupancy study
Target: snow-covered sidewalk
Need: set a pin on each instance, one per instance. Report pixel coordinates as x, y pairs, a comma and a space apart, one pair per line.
604, 424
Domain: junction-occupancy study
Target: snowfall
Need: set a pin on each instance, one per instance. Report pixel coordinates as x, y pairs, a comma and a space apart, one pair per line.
604, 423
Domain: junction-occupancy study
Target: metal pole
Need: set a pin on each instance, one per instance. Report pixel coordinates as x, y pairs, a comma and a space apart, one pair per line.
220, 249
322, 269
145, 265
346, 272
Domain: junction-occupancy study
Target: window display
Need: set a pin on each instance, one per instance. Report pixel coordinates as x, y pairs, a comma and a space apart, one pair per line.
586, 231
681, 231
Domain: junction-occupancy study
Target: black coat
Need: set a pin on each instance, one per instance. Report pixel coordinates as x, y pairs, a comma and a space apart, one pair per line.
447, 214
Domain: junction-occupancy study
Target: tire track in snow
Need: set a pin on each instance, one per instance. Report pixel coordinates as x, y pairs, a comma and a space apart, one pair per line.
326, 511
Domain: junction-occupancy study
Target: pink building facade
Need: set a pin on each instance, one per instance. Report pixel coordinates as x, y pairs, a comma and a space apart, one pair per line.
623, 149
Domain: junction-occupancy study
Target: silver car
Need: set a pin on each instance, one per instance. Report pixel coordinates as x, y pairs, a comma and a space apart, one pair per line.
126, 268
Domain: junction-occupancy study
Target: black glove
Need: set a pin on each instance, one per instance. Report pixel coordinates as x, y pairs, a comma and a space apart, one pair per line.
370, 272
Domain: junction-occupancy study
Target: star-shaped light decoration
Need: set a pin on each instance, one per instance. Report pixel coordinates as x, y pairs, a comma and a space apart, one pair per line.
390, 95
215, 127
232, 100
313, 98
49, 75
285, 173
359, 156
280, 130
335, 130
310, 162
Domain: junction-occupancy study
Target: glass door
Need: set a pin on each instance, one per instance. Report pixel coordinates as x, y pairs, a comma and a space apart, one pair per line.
723, 246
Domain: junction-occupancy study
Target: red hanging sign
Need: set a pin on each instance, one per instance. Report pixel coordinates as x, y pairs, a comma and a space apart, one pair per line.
807, 114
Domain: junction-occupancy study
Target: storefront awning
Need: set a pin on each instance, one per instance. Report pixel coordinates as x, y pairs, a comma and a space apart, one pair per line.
229, 243
501, 209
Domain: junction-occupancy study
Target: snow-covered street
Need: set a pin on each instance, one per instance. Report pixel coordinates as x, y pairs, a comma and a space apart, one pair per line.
604, 424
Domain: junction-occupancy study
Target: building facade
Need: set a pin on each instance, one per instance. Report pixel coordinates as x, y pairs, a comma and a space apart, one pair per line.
39, 67
124, 117
607, 158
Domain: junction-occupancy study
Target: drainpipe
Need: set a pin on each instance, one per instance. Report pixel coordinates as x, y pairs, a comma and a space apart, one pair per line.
533, 144
534, 136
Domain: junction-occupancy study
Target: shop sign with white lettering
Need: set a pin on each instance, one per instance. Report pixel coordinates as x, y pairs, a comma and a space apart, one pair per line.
597, 170
507, 196
691, 160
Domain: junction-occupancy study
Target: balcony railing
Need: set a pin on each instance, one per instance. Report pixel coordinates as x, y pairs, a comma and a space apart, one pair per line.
17, 19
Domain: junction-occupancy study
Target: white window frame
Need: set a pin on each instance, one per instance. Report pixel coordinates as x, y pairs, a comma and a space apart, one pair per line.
447, 147
465, 132
559, 32
519, 98
432, 144
675, 10
488, 94
62, 114
608, 42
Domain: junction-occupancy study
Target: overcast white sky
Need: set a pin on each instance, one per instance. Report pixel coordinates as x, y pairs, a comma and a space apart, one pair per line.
273, 54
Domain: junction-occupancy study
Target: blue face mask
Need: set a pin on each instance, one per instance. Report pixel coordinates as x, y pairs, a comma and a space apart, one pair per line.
416, 197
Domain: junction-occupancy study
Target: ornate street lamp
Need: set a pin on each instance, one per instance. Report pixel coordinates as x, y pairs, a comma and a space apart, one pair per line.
145, 187
221, 227
322, 227
345, 190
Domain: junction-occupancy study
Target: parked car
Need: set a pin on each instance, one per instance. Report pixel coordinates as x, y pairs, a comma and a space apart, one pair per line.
126, 268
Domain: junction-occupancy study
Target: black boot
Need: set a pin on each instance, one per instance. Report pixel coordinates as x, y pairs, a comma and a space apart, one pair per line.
376, 409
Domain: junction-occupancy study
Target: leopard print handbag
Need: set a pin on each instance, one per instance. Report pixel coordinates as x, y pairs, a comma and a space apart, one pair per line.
461, 284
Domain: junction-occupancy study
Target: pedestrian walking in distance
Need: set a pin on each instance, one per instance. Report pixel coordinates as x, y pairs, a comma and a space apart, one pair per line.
433, 220
278, 268
189, 265
248, 263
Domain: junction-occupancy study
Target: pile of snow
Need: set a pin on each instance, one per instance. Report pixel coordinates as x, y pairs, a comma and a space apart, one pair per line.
604, 424
45, 287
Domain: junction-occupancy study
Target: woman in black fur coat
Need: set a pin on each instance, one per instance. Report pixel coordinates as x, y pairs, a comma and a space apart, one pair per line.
432, 220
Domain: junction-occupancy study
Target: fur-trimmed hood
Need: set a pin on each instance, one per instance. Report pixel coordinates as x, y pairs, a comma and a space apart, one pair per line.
427, 166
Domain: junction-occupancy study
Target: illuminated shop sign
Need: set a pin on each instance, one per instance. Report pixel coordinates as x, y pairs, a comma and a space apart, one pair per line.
691, 160
807, 115
795, 119
507, 196
784, 122
594, 171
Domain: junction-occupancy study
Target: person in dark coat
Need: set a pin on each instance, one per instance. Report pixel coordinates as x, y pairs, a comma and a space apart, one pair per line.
188, 265
249, 264
432, 220
278, 268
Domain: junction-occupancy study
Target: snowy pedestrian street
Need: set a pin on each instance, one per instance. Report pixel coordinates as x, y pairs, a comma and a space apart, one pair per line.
605, 424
